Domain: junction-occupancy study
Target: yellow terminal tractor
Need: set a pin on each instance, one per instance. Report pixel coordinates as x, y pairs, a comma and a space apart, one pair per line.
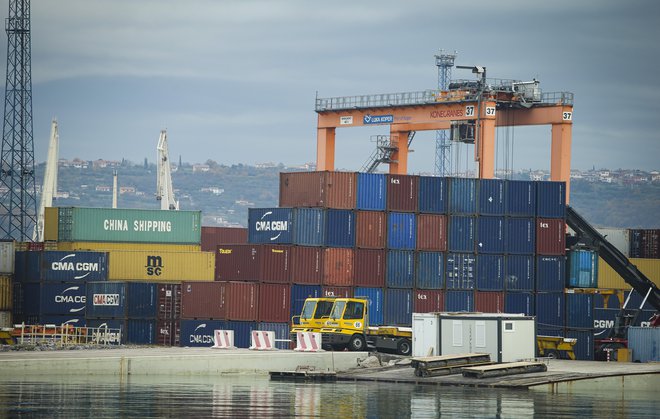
344, 324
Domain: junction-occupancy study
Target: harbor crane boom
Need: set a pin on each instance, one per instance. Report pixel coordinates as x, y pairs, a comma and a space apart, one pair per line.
49, 187
164, 189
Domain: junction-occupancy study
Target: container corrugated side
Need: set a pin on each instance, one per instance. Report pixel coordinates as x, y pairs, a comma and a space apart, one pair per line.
428, 301
550, 236
168, 332
142, 300
203, 300
550, 309
213, 236
579, 310
199, 332
617, 237
161, 266
432, 232
239, 262
169, 301
274, 302
77, 266
551, 199
107, 246
375, 297
400, 271
275, 264
7, 256
460, 271
106, 300
490, 234
369, 268
141, 331
338, 266
401, 231
489, 301
461, 233
645, 343
582, 268
609, 279
491, 196
371, 229
519, 273
281, 331
51, 223
339, 228
584, 346
242, 332
299, 293
462, 196
402, 193
309, 226
490, 272
270, 225
430, 270
242, 300
6, 294
520, 198
62, 298
129, 225
306, 265
519, 302
371, 191
519, 236
433, 194
459, 300
398, 307
550, 273
318, 189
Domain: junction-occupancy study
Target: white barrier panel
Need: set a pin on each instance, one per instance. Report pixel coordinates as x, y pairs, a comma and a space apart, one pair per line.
308, 342
262, 340
223, 339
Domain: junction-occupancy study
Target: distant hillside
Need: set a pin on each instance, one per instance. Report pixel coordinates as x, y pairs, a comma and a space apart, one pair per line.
224, 193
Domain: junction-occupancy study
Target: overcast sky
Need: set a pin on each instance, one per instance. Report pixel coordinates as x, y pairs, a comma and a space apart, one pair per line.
235, 81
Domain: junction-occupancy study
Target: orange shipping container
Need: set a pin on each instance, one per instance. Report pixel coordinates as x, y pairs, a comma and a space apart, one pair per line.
370, 228
318, 189
241, 300
338, 266
432, 232
306, 265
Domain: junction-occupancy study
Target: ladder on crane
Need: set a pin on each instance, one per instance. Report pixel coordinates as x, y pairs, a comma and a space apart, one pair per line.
383, 152
164, 188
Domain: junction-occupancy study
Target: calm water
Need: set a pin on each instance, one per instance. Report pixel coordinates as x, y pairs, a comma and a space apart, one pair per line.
254, 397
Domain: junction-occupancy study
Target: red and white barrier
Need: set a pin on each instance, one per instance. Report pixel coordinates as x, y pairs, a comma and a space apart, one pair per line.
223, 339
308, 342
262, 340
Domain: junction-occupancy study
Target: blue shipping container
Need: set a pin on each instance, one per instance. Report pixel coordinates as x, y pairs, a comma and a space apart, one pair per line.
63, 299
584, 347
400, 272
460, 271
142, 300
398, 307
491, 197
606, 301
74, 266
549, 331
462, 196
461, 234
309, 226
281, 331
520, 198
371, 191
550, 273
490, 272
75, 321
199, 333
430, 270
433, 194
242, 332
339, 228
519, 302
299, 293
27, 266
645, 343
141, 331
604, 320
401, 231
582, 269
579, 310
520, 236
490, 234
459, 301
519, 273
375, 297
106, 300
550, 309
112, 331
270, 225
551, 199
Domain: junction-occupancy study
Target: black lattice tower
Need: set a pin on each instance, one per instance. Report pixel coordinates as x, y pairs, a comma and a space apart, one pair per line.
18, 203
444, 62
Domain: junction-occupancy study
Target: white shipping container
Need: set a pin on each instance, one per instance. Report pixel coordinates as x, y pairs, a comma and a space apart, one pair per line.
7, 254
426, 334
618, 237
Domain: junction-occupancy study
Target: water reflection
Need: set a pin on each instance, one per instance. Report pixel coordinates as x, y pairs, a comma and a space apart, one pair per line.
257, 397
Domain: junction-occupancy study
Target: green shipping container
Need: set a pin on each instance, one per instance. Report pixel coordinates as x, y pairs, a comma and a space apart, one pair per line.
129, 225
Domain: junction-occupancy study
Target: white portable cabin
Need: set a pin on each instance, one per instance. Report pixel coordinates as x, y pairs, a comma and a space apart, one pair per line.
506, 337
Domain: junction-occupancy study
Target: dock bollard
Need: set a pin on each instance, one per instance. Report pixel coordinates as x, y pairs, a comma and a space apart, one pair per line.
223, 339
262, 340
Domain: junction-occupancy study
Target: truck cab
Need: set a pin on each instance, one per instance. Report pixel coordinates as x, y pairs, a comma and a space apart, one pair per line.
347, 324
314, 314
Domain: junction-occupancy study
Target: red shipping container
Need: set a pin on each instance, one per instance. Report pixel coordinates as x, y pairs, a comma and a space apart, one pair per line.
550, 236
318, 189
489, 301
402, 193
238, 262
371, 229
428, 301
203, 300
306, 265
212, 237
369, 268
169, 301
275, 303
338, 266
275, 264
432, 232
339, 292
242, 300
168, 332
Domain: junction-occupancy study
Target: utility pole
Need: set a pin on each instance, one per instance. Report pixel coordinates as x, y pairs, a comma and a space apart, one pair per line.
442, 142
18, 203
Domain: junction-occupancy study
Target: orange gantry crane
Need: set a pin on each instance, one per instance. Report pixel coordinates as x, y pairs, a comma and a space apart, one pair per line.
470, 109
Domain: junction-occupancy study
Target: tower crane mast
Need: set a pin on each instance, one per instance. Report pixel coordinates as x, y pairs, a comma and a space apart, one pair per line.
49, 187
164, 188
